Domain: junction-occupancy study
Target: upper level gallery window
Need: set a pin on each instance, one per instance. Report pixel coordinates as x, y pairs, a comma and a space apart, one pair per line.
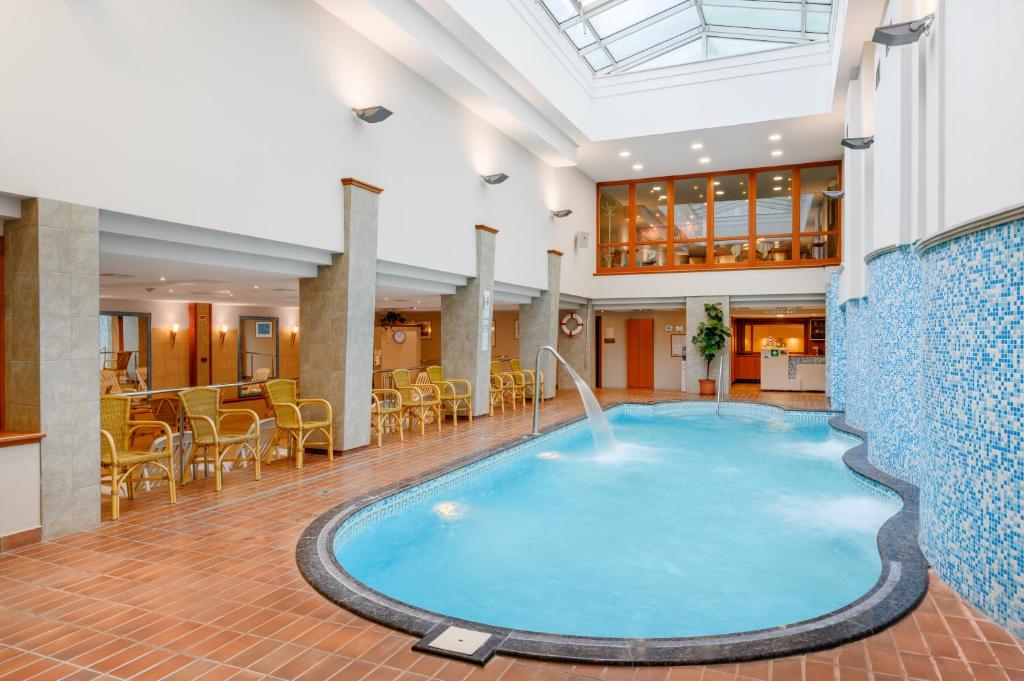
763, 217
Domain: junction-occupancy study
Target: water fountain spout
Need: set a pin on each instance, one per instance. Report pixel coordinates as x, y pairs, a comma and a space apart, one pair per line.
600, 430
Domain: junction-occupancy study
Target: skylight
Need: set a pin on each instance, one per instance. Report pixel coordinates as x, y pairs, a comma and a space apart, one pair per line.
622, 36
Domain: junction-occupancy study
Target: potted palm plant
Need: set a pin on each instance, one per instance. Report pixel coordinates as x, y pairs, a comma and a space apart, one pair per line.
710, 339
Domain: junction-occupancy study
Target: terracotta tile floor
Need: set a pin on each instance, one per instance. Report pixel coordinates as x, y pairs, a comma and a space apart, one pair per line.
209, 589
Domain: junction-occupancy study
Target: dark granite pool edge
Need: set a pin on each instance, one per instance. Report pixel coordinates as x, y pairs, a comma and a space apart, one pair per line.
900, 587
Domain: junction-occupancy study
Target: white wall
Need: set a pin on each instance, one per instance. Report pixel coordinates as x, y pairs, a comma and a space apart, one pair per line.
705, 283
668, 370
235, 115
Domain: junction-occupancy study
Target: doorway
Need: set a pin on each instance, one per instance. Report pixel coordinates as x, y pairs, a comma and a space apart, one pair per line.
640, 353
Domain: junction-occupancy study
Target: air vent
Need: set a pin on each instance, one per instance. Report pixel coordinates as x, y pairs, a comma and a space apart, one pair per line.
285, 290
115, 275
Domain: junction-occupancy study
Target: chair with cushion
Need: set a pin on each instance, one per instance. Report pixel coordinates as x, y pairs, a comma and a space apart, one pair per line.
503, 388
385, 413
297, 428
120, 460
532, 383
456, 393
418, 400
211, 445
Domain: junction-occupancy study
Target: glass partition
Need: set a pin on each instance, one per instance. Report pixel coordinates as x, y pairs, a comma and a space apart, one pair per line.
763, 217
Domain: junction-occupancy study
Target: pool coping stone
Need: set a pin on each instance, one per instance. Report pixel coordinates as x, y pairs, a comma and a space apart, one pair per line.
902, 584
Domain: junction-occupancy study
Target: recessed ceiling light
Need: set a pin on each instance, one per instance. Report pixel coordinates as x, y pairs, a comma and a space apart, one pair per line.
170, 290
717, 183
778, 189
624, 154
163, 278
657, 189
720, 192
255, 285
662, 197
696, 187
775, 138
704, 159
777, 178
777, 152
697, 145
638, 166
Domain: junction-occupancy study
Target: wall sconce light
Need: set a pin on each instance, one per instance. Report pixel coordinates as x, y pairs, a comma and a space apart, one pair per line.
496, 178
834, 193
562, 213
858, 143
372, 114
295, 332
223, 333
904, 33
174, 333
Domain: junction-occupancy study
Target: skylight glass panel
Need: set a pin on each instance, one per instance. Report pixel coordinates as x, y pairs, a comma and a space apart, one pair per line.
561, 10
580, 36
688, 53
749, 17
730, 47
598, 59
628, 13
818, 22
654, 35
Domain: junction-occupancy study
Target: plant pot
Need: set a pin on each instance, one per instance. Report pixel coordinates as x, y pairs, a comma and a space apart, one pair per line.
707, 386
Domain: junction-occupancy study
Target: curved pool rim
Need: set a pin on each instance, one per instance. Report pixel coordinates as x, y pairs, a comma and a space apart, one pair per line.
901, 585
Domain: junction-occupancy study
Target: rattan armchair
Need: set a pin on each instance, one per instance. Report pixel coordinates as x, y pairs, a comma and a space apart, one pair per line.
533, 384
418, 400
117, 457
456, 393
386, 412
282, 395
210, 444
503, 388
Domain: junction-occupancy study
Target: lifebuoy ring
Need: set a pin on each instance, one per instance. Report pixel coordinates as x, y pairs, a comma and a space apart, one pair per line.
572, 331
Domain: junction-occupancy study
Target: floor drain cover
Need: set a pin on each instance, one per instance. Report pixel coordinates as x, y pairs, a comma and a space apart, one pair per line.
462, 644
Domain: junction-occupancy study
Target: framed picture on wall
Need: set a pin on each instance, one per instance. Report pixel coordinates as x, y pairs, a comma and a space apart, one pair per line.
265, 329
426, 330
817, 329
678, 345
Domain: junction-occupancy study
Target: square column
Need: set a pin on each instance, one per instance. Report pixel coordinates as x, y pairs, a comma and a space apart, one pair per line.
538, 325
336, 311
466, 325
695, 365
578, 350
51, 310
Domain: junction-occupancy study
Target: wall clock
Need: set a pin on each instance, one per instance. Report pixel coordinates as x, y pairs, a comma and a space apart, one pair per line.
398, 336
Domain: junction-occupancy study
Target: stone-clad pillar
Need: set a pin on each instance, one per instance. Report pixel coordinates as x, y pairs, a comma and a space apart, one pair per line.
538, 325
336, 311
695, 366
466, 324
51, 310
578, 351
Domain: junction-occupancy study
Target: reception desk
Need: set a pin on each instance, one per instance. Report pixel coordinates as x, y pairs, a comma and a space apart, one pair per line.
783, 371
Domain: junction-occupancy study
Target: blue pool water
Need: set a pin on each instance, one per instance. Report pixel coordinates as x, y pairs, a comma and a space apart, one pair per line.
695, 524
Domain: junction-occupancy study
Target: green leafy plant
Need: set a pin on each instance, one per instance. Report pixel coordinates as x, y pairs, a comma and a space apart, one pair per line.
392, 318
711, 335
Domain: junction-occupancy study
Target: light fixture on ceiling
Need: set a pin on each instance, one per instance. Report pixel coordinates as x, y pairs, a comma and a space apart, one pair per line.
717, 183
704, 159
372, 114
904, 33
624, 154
858, 143
697, 145
777, 178
638, 166
496, 178
774, 138
564, 213
834, 193
777, 152
163, 278
778, 189
720, 192
663, 197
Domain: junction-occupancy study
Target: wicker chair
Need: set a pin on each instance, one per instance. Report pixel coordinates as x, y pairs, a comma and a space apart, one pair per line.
456, 393
386, 412
282, 395
109, 382
209, 444
503, 388
418, 400
119, 460
533, 384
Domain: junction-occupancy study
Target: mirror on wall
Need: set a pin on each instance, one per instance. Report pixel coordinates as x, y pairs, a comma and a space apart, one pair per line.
125, 349
259, 352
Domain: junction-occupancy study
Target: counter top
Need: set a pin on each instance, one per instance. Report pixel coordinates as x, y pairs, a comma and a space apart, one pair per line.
10, 438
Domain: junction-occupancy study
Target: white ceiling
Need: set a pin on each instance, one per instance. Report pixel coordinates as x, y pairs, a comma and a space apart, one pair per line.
803, 140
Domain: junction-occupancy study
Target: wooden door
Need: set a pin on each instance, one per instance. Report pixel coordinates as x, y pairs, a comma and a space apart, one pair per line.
640, 353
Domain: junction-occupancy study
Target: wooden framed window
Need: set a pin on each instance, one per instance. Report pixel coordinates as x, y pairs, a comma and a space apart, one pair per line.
736, 219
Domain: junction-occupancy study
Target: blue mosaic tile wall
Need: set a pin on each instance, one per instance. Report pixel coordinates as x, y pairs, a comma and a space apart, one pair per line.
972, 409
835, 346
859, 395
894, 289
934, 372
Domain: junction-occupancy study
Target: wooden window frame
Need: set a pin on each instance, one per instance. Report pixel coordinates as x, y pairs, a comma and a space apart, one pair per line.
795, 235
